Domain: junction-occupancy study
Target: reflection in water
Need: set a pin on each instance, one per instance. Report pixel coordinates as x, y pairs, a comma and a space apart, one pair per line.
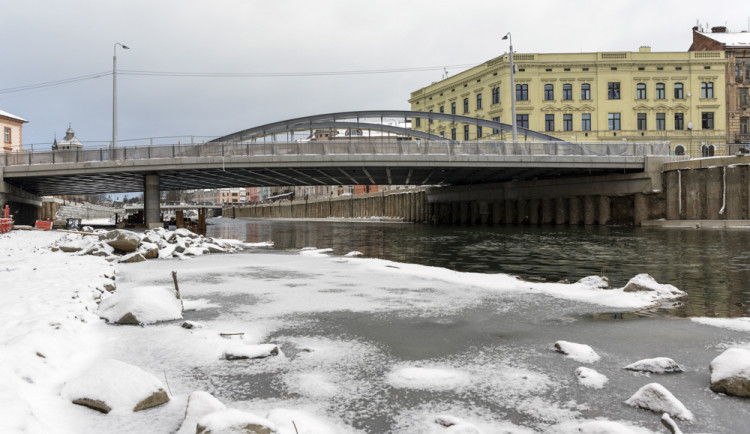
713, 266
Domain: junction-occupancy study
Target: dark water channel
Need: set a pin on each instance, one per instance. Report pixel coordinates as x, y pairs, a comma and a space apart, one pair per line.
713, 266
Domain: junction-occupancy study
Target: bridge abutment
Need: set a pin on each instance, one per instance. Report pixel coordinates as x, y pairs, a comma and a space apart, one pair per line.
151, 200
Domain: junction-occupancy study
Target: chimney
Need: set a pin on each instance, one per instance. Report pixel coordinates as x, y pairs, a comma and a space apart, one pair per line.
644, 49
718, 29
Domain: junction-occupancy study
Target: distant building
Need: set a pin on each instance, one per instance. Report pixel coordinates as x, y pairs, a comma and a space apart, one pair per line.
605, 96
736, 45
68, 142
12, 127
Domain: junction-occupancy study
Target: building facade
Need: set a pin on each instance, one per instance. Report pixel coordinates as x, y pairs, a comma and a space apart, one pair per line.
736, 45
606, 96
12, 129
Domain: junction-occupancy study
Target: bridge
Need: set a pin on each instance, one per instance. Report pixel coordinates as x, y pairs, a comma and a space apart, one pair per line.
257, 157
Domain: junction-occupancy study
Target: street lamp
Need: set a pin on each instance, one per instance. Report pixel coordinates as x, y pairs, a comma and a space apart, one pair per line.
114, 92
512, 89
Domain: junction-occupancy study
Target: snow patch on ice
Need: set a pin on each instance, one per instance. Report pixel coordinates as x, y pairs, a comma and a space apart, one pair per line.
737, 324
428, 378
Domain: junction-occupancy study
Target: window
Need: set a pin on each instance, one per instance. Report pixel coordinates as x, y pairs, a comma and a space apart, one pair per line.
614, 121
496, 130
453, 109
549, 122
585, 121
479, 132
496, 95
707, 120
567, 92
641, 121
679, 150
679, 121
613, 90
660, 93
522, 92
466, 105
743, 97
549, 92
640, 91
744, 125
707, 150
567, 122
466, 132
661, 121
707, 89
431, 118
453, 134
585, 92
522, 121
479, 101
418, 122
442, 134
442, 109
7, 135
679, 91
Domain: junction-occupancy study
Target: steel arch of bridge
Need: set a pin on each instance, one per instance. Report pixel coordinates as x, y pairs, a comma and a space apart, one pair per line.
329, 120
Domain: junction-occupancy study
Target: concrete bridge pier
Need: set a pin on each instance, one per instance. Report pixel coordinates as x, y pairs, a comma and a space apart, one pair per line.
151, 195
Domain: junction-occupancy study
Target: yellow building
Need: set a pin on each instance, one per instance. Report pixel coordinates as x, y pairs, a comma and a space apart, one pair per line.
12, 129
677, 97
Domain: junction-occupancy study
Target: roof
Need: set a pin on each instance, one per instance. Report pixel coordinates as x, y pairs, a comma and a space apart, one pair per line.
741, 39
11, 116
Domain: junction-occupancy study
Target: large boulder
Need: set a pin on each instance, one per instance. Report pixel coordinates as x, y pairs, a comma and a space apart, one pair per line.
730, 372
115, 386
148, 250
657, 365
132, 257
141, 305
200, 404
646, 283
234, 421
121, 239
657, 398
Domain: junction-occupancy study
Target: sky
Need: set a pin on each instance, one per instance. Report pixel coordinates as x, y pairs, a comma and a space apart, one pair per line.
51, 40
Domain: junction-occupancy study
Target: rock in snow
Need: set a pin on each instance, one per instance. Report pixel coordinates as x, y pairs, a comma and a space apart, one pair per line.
200, 404
120, 239
670, 424
644, 282
114, 385
656, 397
456, 425
657, 365
234, 421
590, 378
730, 372
578, 352
141, 305
240, 352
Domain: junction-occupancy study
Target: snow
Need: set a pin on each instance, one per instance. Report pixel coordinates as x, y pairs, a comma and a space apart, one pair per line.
427, 378
149, 304
657, 365
578, 352
200, 404
656, 397
734, 362
600, 427
119, 385
590, 378
738, 324
231, 420
252, 351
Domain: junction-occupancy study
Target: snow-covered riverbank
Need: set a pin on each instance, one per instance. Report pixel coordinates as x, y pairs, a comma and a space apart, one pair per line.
365, 346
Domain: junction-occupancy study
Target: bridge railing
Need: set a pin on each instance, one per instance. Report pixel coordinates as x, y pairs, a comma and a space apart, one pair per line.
352, 147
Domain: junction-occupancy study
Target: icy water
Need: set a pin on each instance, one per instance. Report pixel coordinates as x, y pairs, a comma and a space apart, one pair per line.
713, 266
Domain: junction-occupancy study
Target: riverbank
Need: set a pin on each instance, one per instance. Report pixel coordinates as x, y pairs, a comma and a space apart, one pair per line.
367, 345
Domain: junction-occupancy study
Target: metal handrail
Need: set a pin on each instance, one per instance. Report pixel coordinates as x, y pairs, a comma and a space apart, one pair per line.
338, 147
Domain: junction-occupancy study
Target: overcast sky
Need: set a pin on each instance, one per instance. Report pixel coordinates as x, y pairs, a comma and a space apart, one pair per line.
49, 40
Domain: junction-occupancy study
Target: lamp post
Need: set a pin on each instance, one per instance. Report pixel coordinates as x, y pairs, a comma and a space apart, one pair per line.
114, 92
512, 89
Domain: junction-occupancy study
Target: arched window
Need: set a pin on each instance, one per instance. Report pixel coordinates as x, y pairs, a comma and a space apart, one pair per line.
640, 91
679, 150
707, 150
679, 92
549, 92
660, 93
567, 92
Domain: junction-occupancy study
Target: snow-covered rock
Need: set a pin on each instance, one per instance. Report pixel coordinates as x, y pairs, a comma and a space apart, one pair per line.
242, 351
730, 372
590, 378
456, 425
141, 305
116, 386
148, 250
354, 253
646, 283
657, 398
132, 257
670, 424
200, 404
578, 352
234, 421
598, 427
192, 325
121, 239
657, 365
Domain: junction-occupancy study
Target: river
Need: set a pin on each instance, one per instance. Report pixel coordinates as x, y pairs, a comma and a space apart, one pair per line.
712, 266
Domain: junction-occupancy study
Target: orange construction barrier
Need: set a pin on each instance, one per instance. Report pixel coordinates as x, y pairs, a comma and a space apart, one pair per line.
44, 225
5, 225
